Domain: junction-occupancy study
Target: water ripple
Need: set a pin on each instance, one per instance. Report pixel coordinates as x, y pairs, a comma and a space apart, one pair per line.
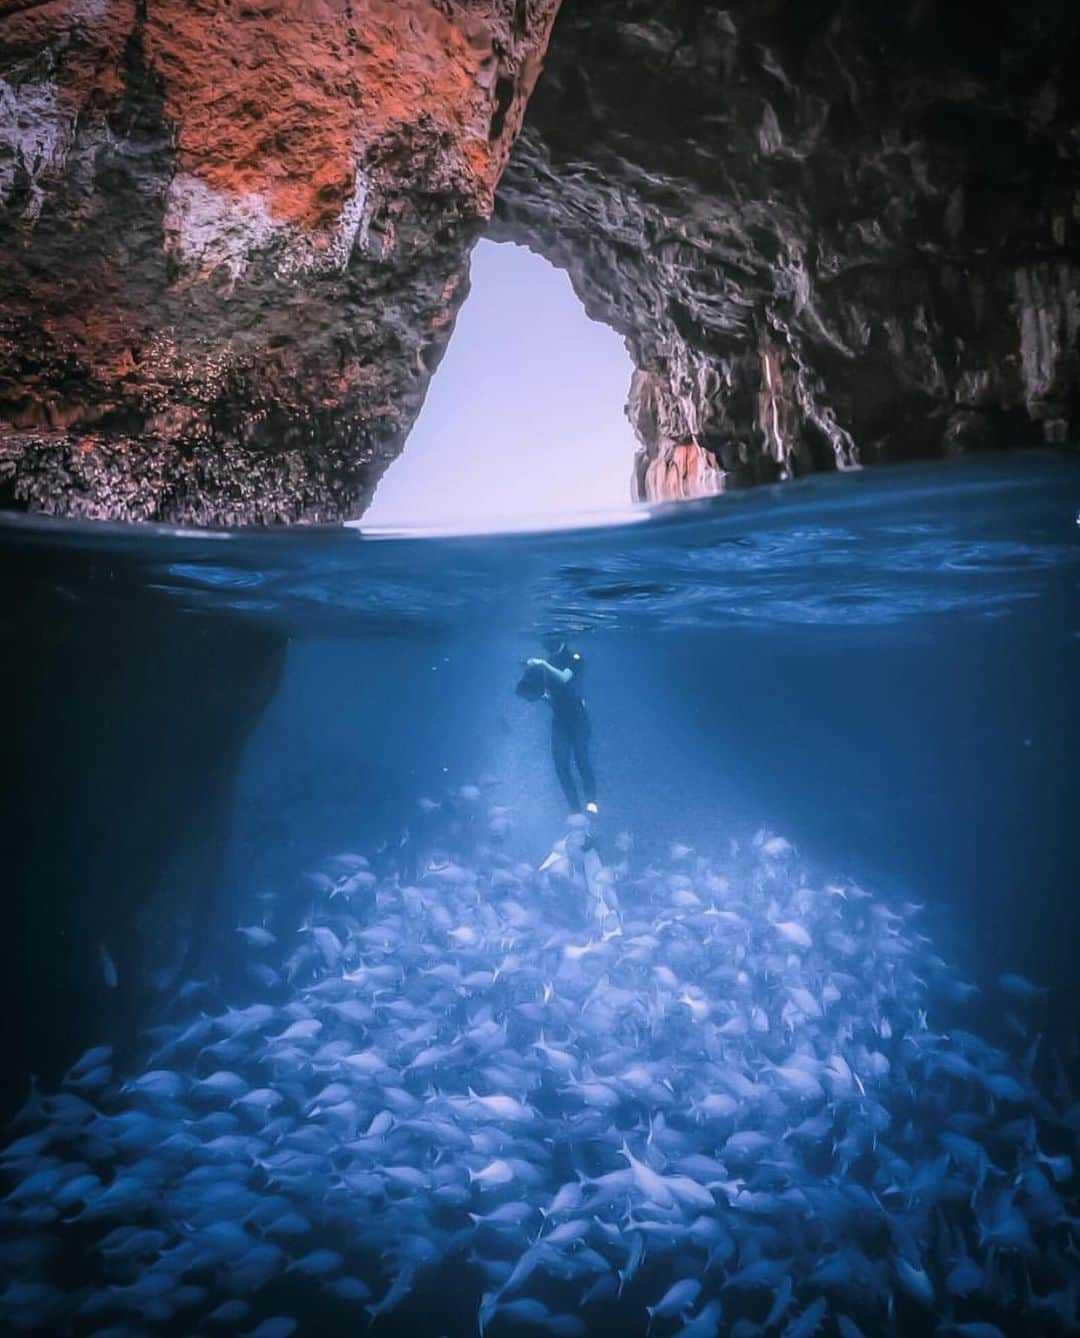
884, 547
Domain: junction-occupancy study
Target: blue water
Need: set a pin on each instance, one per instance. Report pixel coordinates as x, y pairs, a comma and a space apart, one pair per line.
854, 685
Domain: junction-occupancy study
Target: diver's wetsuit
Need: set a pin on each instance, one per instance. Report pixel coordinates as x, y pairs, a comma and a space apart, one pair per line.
569, 726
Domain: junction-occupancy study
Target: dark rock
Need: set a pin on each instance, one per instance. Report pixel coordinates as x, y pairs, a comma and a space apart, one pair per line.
116, 815
832, 233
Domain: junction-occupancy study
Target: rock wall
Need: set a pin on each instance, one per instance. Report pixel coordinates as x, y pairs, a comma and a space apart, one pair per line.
832, 233
233, 241
116, 813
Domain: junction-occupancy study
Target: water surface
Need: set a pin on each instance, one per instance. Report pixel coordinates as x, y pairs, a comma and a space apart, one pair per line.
877, 670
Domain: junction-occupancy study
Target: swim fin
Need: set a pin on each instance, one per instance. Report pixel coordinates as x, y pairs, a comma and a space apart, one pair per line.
558, 852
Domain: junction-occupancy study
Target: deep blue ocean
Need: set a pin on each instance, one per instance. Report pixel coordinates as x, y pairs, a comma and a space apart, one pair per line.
782, 1041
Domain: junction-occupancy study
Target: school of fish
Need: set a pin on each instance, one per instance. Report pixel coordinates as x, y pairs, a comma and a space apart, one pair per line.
694, 1096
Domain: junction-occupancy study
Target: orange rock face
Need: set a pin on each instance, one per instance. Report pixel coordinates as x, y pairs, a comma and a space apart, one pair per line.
678, 473
316, 86
235, 238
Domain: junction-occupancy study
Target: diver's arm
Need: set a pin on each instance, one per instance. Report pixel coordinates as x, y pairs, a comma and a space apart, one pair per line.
562, 676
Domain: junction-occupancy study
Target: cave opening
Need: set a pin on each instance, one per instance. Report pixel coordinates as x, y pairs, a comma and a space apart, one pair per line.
525, 416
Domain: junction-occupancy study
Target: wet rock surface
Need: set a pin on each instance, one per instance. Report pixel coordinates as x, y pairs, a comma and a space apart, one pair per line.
234, 242
831, 233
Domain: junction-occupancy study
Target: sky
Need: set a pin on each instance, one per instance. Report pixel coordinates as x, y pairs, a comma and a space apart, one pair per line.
524, 416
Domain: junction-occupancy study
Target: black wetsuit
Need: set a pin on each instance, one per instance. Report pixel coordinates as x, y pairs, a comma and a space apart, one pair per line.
570, 728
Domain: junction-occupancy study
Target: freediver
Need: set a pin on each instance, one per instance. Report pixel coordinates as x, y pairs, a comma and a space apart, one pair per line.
557, 680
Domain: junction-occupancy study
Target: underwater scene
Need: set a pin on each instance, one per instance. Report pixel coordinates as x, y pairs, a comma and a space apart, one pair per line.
664, 927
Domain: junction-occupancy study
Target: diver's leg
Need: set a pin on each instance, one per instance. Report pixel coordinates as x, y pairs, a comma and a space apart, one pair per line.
560, 755
581, 735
